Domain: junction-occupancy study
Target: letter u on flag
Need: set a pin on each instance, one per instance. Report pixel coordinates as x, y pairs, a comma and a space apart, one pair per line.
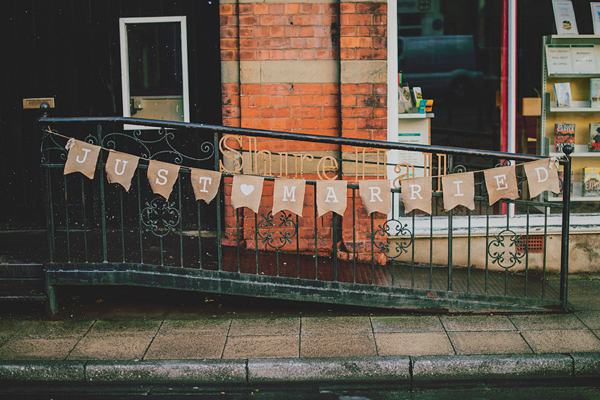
541, 175
205, 183
376, 196
246, 191
82, 158
332, 196
501, 183
416, 194
288, 194
162, 177
120, 168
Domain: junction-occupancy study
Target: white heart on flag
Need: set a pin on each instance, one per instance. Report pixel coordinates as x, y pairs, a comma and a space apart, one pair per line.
246, 189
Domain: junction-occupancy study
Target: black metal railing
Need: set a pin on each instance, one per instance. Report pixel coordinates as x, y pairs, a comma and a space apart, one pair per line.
474, 260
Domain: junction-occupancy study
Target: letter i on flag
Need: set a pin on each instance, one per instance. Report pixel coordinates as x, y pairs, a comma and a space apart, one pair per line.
541, 175
288, 194
120, 168
82, 158
162, 177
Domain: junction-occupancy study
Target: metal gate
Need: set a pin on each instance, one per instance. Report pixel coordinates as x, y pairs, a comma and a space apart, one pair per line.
461, 260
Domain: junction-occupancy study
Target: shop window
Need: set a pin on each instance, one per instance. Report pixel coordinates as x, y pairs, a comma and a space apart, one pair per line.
154, 68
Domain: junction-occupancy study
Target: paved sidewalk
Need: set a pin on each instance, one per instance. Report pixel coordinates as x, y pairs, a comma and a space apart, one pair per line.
242, 350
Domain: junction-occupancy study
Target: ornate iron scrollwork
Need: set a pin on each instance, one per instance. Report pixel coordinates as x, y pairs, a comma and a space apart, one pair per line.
395, 228
505, 258
160, 217
270, 237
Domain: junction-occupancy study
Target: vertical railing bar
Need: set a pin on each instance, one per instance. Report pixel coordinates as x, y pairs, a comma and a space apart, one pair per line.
179, 194
162, 252
334, 216
487, 243
412, 263
67, 229
198, 207
430, 251
527, 252
122, 221
50, 217
316, 234
102, 199
297, 247
564, 256
372, 246
140, 225
450, 244
546, 210
354, 231
468, 250
255, 240
237, 240
218, 204
84, 216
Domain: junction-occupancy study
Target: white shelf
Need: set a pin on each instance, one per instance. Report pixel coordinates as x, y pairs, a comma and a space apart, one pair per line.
578, 106
581, 150
419, 115
571, 37
587, 75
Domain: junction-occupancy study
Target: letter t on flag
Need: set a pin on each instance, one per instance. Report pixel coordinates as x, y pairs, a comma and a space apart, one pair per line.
541, 176
288, 194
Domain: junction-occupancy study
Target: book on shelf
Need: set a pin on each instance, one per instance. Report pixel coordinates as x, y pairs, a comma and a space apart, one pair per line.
561, 179
595, 92
562, 94
596, 16
583, 57
417, 95
594, 140
564, 17
404, 99
591, 182
558, 59
564, 133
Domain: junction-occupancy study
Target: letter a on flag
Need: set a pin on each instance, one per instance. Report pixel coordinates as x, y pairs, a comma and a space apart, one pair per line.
332, 196
120, 168
82, 158
288, 194
162, 177
541, 175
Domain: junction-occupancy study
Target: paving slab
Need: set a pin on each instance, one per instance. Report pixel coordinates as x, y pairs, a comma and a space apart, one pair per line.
262, 347
200, 326
129, 347
9, 329
479, 368
590, 319
476, 323
489, 342
356, 370
413, 344
332, 345
213, 372
329, 325
406, 323
125, 327
546, 322
186, 347
562, 341
55, 329
37, 349
265, 326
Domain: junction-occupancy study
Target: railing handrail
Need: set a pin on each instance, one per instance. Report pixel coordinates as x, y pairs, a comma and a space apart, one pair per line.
379, 144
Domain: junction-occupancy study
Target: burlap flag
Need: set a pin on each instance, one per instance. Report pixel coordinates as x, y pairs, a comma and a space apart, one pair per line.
501, 183
332, 196
246, 191
376, 196
205, 183
120, 168
416, 194
288, 194
542, 175
459, 190
82, 158
162, 177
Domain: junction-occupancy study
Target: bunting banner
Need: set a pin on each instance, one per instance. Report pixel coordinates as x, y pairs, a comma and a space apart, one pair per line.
416, 194
120, 168
82, 158
501, 183
162, 177
247, 191
205, 184
459, 190
542, 175
332, 196
288, 194
376, 196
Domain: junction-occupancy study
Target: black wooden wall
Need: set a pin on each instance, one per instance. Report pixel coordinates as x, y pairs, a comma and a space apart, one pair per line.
69, 49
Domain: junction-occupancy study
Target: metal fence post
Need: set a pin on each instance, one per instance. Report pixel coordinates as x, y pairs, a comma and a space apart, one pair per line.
564, 254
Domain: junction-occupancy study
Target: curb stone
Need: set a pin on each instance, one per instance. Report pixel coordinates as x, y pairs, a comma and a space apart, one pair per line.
586, 365
367, 369
42, 371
